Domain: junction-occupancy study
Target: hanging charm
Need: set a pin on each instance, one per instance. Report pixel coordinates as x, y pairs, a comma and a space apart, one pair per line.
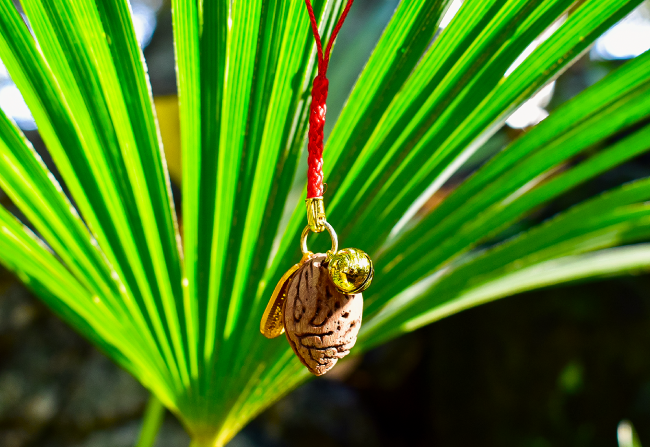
321, 323
318, 302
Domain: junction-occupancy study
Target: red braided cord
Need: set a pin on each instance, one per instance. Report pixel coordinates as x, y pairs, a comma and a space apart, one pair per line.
318, 105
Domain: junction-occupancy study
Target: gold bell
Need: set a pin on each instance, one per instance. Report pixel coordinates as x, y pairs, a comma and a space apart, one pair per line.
351, 270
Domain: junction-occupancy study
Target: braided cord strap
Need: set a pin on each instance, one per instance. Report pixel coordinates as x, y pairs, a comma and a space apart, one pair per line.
318, 105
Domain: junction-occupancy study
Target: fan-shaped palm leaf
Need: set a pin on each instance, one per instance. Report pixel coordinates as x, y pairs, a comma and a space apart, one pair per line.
183, 317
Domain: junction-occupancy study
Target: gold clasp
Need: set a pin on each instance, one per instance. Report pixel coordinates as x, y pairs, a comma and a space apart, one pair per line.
316, 214
330, 230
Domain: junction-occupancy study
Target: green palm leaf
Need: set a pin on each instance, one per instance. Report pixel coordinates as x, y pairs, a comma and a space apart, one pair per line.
180, 309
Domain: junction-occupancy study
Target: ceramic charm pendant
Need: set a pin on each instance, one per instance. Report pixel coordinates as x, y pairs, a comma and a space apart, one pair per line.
318, 301
321, 322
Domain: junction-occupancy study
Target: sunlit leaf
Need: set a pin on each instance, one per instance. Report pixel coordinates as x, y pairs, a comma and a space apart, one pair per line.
179, 306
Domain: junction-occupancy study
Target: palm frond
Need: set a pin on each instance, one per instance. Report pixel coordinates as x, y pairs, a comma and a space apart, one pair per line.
183, 317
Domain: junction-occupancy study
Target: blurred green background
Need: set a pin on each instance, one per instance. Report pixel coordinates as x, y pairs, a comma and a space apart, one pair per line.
558, 367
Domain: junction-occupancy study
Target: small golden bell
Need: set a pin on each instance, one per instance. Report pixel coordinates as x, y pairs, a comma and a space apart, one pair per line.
351, 270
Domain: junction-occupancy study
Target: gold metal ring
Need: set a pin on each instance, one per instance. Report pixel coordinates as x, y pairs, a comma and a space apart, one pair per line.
330, 230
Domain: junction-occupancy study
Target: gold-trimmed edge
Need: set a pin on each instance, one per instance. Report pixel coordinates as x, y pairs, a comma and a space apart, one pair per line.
275, 306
